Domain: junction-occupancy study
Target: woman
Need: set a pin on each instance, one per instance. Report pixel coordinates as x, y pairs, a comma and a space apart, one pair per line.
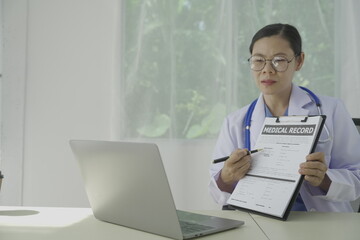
331, 173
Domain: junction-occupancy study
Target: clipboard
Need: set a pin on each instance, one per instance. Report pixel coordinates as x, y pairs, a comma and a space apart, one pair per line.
271, 186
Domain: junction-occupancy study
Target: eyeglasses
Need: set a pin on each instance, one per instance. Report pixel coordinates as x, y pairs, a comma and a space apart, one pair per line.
279, 64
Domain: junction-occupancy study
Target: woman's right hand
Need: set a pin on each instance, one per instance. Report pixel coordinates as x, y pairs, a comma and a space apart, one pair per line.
235, 168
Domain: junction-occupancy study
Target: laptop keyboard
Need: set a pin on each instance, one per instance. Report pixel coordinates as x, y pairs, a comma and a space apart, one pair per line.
189, 227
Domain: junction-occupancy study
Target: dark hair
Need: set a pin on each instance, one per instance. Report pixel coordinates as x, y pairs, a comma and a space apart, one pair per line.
286, 31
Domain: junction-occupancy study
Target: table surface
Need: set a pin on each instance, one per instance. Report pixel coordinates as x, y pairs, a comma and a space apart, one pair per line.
79, 223
312, 225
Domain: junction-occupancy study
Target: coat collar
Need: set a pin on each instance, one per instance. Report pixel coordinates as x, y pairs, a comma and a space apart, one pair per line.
298, 100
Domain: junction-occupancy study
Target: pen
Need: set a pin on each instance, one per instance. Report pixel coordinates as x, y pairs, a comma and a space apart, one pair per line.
225, 158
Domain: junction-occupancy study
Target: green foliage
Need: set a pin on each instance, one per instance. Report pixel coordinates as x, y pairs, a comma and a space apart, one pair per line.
210, 124
157, 127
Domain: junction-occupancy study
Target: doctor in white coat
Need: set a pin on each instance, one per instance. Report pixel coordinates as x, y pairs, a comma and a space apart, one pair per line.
332, 172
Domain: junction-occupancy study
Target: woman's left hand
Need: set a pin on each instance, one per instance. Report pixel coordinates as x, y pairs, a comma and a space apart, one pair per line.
315, 169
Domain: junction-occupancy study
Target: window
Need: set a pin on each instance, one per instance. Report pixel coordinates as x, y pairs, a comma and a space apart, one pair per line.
184, 62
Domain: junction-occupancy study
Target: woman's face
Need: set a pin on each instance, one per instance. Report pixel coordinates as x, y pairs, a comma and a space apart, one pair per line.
268, 80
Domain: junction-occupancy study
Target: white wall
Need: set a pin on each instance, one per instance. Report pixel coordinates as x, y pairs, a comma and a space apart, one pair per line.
60, 70
13, 96
63, 61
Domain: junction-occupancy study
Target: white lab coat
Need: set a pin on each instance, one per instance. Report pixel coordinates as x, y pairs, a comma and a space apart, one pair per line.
342, 153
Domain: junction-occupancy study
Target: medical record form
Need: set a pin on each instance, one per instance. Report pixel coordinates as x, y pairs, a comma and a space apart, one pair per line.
273, 181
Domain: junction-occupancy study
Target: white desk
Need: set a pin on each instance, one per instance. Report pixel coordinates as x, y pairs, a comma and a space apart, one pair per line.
312, 225
79, 223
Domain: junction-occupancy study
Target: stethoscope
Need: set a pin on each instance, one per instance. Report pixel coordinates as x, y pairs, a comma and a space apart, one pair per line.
251, 108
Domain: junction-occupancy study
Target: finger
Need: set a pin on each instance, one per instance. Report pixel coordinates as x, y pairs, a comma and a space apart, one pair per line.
243, 164
314, 165
240, 153
241, 172
317, 156
312, 172
245, 161
237, 155
239, 167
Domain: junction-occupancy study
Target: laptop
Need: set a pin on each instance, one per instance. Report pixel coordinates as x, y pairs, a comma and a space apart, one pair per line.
126, 184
